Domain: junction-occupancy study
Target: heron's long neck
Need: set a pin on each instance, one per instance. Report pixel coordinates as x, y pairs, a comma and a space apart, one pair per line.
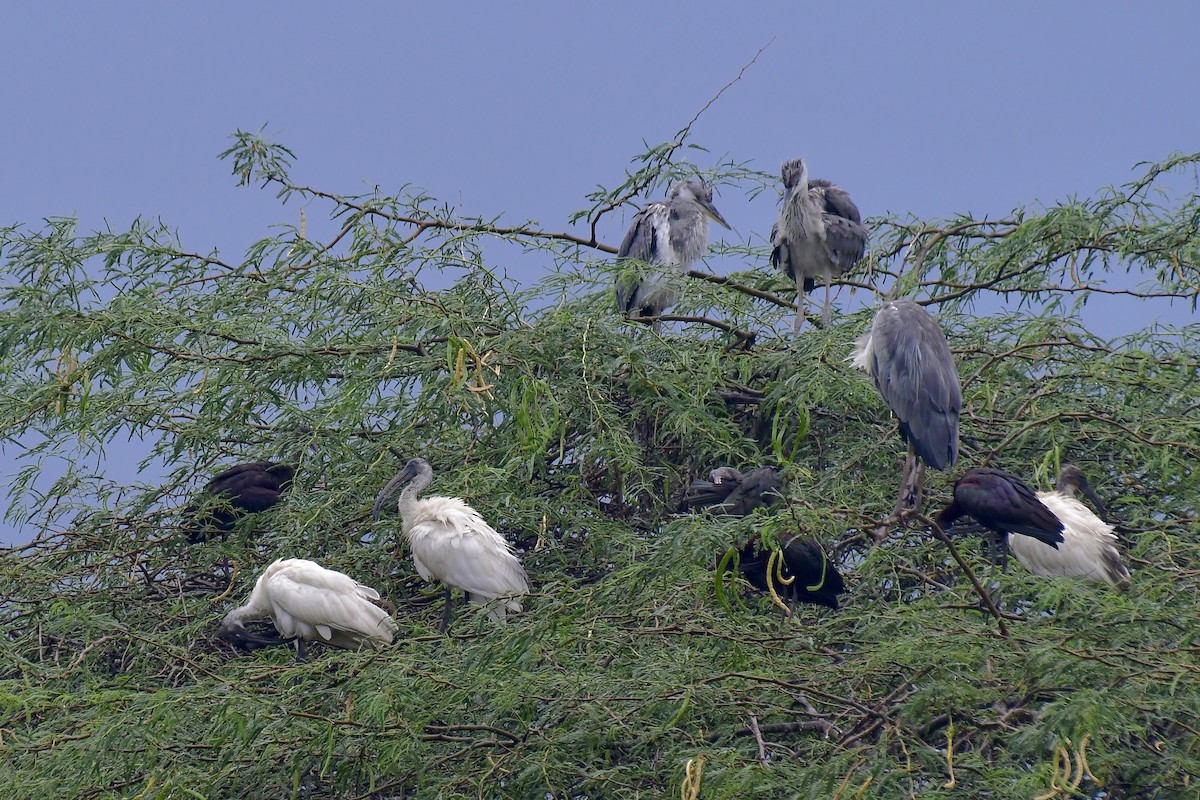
802, 180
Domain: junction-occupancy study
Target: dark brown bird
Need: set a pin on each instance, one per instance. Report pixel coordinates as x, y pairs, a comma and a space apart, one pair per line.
1002, 503
240, 490
731, 492
813, 577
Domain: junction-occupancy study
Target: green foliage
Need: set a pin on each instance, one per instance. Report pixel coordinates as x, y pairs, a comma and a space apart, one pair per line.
575, 433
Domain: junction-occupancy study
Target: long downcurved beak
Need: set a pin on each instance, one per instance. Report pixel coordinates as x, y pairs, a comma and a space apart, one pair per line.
387, 491
1090, 494
238, 636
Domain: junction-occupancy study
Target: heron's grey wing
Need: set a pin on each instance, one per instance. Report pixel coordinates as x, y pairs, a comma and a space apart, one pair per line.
838, 202
776, 249
640, 243
915, 372
846, 241
640, 240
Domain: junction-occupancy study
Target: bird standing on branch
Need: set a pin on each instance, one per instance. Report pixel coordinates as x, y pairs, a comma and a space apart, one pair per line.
452, 543
309, 603
673, 233
819, 234
907, 357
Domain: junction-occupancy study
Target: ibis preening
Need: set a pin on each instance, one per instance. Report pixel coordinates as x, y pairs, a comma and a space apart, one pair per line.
453, 544
673, 233
799, 571
308, 603
1002, 503
1088, 549
910, 362
729, 491
819, 234
240, 490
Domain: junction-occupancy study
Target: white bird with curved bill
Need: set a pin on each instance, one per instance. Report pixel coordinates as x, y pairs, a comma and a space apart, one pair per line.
453, 544
309, 603
1089, 546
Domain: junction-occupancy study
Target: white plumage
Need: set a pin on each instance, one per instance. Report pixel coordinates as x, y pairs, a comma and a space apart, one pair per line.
308, 602
1088, 549
452, 543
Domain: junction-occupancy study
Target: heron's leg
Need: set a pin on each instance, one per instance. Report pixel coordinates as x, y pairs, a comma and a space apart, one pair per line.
449, 612
300, 649
799, 303
909, 483
827, 311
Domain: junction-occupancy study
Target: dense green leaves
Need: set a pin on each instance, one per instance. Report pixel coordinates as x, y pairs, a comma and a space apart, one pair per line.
575, 434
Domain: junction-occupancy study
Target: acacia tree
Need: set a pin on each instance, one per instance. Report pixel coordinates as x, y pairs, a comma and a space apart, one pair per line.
574, 433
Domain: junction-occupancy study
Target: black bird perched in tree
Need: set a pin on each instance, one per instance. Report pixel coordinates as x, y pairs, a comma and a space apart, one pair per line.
819, 234
730, 491
673, 233
240, 490
802, 572
1002, 503
911, 364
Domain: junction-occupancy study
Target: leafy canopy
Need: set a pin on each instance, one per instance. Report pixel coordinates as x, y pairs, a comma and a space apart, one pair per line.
575, 433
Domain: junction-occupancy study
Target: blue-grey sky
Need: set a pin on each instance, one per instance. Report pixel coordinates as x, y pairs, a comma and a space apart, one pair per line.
115, 110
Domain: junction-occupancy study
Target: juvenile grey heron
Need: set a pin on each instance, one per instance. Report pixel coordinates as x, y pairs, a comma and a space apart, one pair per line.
232, 494
671, 232
819, 234
452, 543
1088, 549
907, 356
730, 491
308, 602
1002, 503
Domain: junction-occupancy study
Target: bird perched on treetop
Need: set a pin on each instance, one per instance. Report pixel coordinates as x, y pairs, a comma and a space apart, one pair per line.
910, 362
819, 234
730, 491
232, 494
1003, 503
452, 543
1088, 549
308, 602
800, 572
673, 233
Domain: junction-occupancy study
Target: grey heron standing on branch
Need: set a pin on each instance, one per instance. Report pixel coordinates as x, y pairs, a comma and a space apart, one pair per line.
907, 356
671, 232
819, 234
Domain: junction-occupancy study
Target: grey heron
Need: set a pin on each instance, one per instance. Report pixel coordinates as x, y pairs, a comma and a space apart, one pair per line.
232, 494
801, 572
819, 234
1088, 549
908, 358
1003, 503
309, 603
452, 543
730, 491
673, 233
